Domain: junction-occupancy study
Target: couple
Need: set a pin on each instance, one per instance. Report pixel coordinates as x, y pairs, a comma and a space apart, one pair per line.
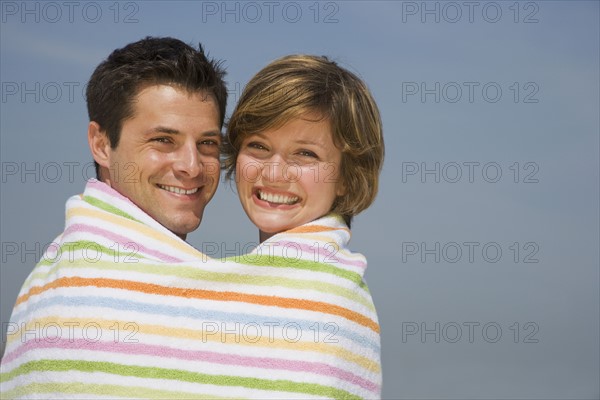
122, 306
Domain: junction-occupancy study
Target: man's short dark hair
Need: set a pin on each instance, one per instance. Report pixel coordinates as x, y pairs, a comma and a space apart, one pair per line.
151, 61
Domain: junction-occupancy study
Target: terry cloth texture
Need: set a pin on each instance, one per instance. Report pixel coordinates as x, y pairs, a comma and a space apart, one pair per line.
121, 307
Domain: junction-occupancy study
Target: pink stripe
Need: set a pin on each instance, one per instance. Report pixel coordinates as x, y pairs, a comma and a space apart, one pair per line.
324, 251
111, 193
118, 239
103, 187
195, 355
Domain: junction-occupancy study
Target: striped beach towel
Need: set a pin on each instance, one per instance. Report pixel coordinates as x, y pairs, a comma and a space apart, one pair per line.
120, 307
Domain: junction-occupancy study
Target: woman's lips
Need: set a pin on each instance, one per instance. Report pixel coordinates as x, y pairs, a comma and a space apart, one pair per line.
277, 198
274, 199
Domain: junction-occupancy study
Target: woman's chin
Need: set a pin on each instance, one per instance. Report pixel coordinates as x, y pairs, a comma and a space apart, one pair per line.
272, 223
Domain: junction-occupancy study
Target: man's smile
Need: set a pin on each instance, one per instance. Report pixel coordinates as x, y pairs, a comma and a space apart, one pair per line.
177, 190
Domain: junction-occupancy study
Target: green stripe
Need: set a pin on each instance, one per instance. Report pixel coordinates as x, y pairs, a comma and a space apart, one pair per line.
107, 207
177, 375
64, 250
120, 254
200, 275
260, 260
105, 390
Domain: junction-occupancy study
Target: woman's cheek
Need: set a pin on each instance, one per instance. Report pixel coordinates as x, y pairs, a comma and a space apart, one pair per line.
248, 170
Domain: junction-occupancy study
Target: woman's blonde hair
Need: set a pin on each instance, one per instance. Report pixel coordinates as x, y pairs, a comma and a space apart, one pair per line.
296, 85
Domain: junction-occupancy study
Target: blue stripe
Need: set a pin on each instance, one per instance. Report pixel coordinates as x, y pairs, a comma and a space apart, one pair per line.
194, 313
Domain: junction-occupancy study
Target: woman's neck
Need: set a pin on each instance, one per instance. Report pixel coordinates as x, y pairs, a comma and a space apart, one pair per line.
262, 236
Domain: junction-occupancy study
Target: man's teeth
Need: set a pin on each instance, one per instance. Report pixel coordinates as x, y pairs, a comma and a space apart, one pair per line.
177, 190
277, 198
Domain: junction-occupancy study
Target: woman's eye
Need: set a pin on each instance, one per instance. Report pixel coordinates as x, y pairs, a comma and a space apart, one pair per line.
308, 153
256, 145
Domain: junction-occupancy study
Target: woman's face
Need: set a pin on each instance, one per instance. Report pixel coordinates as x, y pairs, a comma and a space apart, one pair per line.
288, 176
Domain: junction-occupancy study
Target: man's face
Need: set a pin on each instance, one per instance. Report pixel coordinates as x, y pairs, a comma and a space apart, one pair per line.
167, 159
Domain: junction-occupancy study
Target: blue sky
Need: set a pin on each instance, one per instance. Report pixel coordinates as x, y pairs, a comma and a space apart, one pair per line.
492, 129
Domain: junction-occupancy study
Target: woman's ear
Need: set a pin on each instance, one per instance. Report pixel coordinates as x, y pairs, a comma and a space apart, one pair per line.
99, 144
340, 187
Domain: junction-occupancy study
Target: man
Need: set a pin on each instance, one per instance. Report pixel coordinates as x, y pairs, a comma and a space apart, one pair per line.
156, 109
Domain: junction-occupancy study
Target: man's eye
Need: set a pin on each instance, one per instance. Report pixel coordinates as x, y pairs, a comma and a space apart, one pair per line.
210, 142
162, 140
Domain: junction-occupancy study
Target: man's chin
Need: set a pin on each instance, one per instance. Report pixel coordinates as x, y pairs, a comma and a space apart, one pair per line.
183, 229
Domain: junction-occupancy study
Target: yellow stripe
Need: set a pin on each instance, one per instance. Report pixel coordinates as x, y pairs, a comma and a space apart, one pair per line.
103, 389
133, 225
203, 336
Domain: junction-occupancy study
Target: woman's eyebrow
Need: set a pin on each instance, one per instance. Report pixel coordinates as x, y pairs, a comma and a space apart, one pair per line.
305, 141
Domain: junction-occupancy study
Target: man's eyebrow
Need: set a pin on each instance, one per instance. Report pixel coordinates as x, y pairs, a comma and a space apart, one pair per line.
172, 131
211, 133
164, 129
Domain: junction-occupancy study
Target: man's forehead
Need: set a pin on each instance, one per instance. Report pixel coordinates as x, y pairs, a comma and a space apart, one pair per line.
163, 93
149, 89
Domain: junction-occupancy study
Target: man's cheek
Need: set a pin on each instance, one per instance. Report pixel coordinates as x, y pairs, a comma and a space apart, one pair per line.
212, 169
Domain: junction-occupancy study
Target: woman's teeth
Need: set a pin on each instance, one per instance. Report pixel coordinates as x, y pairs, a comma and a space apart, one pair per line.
277, 198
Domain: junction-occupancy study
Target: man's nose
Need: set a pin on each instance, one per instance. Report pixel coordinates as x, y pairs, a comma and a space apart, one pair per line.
188, 160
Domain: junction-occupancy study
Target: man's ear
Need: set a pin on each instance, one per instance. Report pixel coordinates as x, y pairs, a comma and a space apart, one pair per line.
99, 144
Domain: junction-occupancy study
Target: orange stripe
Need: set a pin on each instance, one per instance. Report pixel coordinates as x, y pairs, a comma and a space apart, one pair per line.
205, 294
314, 228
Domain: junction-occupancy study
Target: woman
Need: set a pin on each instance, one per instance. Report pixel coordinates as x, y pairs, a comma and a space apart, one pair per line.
305, 144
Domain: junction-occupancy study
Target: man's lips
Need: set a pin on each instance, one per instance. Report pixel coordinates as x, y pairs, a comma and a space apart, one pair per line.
178, 190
